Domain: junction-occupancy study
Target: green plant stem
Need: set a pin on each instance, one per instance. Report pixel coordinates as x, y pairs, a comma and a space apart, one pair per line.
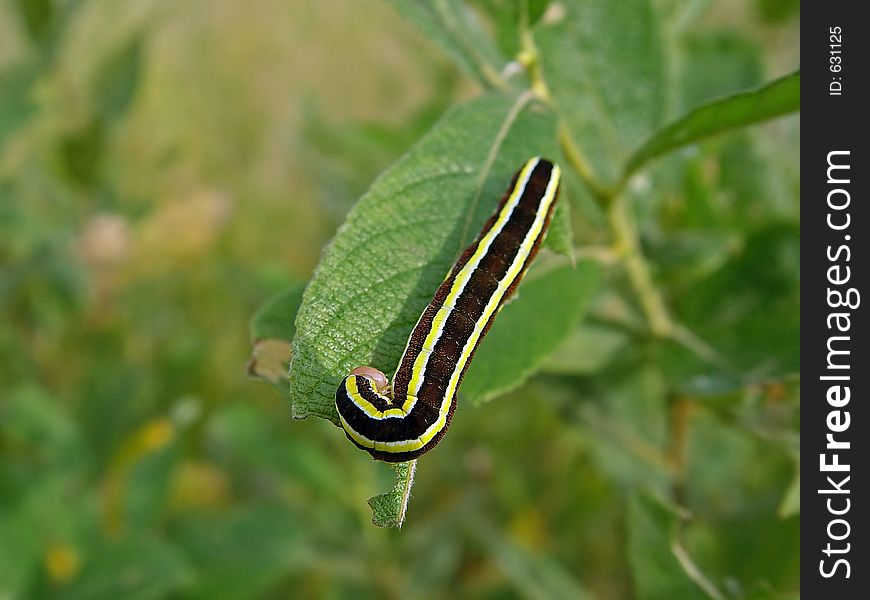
692, 570
626, 241
636, 267
699, 347
601, 254
575, 157
680, 414
647, 452
529, 57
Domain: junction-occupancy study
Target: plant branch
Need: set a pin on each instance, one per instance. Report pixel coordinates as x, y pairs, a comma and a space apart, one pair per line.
572, 151
686, 338
529, 57
628, 247
680, 413
692, 570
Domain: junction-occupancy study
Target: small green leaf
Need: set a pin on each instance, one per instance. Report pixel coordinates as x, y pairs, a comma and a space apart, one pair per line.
451, 25
773, 100
400, 240
388, 510
81, 153
586, 350
118, 80
776, 11
38, 16
276, 318
609, 88
560, 238
506, 17
526, 332
656, 569
272, 329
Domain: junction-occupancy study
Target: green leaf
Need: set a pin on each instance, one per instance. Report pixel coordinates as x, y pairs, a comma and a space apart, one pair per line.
81, 153
656, 569
776, 11
772, 100
586, 350
626, 422
560, 238
506, 16
729, 465
609, 87
276, 318
750, 308
37, 16
525, 333
272, 328
451, 25
401, 238
389, 510
137, 568
118, 80
716, 64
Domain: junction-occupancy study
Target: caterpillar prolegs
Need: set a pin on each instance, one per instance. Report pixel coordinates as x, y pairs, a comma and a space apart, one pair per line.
399, 423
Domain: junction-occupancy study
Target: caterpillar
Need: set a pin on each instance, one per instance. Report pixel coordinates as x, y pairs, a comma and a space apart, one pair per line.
402, 422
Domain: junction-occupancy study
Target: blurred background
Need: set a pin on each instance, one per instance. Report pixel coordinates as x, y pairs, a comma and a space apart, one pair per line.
165, 167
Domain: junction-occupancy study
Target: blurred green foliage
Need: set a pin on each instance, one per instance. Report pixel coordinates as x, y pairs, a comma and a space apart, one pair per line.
165, 168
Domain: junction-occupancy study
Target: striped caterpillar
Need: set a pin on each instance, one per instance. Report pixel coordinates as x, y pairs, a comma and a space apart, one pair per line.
403, 422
